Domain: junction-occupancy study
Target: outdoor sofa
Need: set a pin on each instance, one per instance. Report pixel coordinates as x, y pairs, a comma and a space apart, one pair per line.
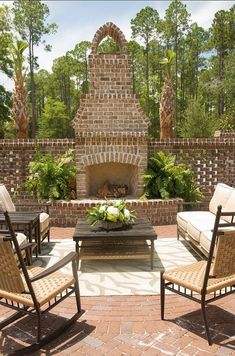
197, 226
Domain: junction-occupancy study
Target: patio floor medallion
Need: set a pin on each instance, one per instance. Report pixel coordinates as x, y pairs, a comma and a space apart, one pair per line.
120, 277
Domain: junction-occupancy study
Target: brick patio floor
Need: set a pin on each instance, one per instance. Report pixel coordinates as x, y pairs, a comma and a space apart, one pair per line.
131, 325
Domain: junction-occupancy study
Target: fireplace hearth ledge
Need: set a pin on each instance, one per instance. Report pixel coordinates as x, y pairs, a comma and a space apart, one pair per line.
158, 211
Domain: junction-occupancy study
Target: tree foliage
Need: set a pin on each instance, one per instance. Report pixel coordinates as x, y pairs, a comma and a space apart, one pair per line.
203, 67
197, 123
5, 40
55, 123
30, 22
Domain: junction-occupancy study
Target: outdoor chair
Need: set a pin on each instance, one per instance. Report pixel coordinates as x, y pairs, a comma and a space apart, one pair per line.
206, 280
30, 293
8, 205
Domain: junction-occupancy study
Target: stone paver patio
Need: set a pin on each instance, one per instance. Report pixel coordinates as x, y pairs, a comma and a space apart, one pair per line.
131, 325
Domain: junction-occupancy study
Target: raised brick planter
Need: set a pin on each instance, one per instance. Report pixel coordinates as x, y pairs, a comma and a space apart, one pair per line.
159, 212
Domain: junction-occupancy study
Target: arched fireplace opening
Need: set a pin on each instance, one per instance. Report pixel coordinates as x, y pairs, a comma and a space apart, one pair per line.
111, 180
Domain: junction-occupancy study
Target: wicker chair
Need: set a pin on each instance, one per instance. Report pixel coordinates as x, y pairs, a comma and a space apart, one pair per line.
205, 281
30, 293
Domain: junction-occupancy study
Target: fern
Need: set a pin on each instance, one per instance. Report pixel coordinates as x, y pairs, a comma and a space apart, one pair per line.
164, 179
49, 178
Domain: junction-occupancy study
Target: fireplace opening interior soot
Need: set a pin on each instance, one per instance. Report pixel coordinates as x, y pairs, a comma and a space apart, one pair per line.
111, 180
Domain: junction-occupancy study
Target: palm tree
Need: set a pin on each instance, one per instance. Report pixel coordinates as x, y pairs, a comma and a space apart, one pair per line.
20, 111
167, 102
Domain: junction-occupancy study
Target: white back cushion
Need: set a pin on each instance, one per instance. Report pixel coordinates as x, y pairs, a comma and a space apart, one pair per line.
5, 199
229, 206
221, 195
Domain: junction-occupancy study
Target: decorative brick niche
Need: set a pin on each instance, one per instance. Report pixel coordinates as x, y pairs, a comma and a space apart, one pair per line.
111, 129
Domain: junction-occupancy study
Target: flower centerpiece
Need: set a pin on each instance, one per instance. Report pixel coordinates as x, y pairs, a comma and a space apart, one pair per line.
111, 214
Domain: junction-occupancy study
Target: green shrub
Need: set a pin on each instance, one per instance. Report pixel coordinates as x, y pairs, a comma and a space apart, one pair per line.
49, 178
164, 179
197, 123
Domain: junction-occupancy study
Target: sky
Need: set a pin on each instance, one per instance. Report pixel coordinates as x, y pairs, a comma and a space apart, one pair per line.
79, 20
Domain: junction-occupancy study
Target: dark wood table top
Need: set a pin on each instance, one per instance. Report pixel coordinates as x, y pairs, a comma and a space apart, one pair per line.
137, 230
22, 217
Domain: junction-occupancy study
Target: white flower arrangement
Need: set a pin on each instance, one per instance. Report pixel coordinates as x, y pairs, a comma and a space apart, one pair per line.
111, 211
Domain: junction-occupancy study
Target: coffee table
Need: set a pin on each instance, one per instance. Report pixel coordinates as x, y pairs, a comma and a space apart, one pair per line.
129, 242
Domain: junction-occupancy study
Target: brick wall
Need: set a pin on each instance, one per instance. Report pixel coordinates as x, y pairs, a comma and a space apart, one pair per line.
213, 160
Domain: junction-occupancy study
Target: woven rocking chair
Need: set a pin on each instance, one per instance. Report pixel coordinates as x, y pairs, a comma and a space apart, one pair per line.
206, 281
22, 290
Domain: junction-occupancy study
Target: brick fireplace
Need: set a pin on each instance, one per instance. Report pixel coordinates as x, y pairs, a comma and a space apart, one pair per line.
111, 129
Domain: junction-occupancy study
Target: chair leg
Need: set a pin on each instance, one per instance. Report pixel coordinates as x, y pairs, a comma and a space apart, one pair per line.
162, 285
203, 308
77, 292
39, 327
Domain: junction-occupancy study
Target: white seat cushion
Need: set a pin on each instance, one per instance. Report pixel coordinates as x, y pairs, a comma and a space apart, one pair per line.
21, 238
5, 199
185, 216
204, 222
44, 221
221, 195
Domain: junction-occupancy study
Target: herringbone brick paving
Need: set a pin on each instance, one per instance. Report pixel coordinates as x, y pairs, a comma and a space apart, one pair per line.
131, 325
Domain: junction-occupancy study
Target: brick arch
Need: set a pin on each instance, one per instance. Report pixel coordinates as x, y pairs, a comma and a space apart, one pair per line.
109, 29
114, 157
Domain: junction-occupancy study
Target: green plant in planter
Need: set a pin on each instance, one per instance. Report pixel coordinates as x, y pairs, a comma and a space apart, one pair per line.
164, 179
49, 177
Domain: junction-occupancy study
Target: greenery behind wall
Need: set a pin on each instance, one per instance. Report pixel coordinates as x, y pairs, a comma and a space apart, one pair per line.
203, 75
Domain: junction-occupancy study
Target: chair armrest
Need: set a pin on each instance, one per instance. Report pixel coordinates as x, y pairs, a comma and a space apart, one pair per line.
4, 232
26, 246
58, 265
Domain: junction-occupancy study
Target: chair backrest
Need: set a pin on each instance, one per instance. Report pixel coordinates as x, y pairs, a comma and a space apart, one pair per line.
5, 199
224, 262
16, 279
221, 258
10, 277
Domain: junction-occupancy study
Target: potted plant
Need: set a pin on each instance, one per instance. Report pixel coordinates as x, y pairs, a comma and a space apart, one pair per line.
111, 214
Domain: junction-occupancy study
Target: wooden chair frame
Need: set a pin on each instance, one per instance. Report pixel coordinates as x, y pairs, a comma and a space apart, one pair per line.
204, 294
36, 310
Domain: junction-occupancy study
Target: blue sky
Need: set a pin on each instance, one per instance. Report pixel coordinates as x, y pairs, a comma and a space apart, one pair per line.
79, 20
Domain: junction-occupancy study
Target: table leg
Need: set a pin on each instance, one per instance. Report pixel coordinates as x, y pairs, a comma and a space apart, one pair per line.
77, 250
152, 253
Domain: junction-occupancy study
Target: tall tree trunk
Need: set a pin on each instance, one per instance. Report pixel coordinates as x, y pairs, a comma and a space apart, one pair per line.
20, 110
167, 109
221, 76
176, 75
32, 88
133, 72
147, 77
